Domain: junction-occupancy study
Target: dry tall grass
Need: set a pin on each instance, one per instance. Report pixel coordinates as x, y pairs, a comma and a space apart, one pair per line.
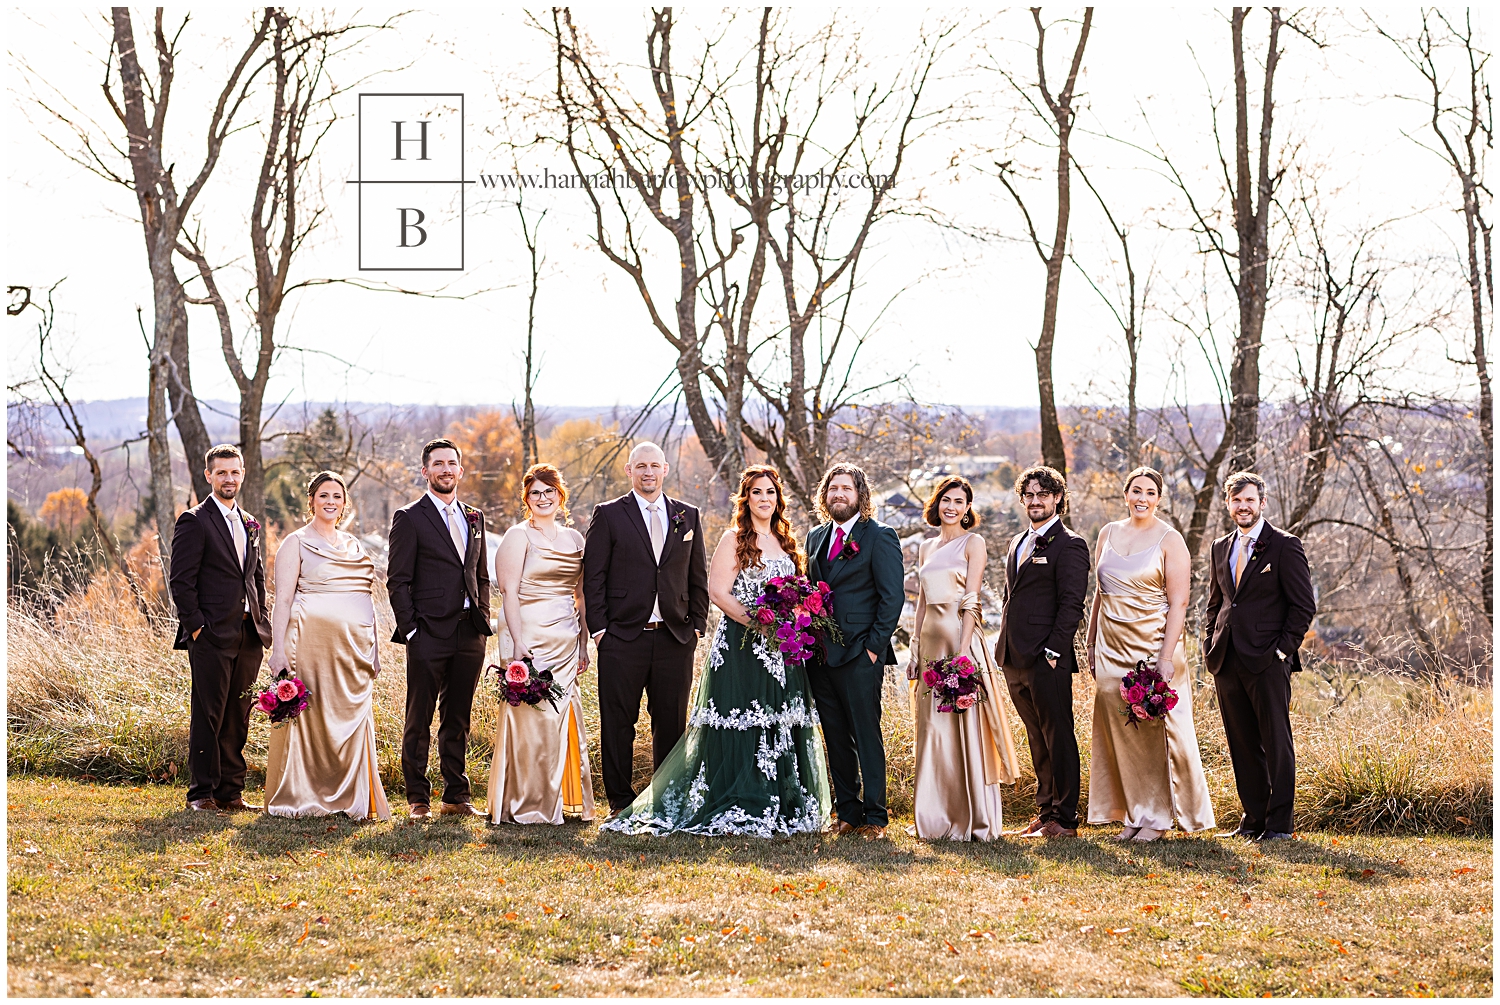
93, 692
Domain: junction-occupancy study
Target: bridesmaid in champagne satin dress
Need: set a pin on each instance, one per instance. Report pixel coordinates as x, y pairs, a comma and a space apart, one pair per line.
1148, 775
540, 770
962, 759
324, 761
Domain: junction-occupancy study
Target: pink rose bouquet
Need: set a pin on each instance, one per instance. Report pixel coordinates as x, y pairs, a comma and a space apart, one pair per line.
793, 613
520, 682
955, 681
283, 699
1146, 695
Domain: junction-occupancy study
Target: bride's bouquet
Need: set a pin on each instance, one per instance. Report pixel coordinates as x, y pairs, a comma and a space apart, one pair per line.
1146, 695
794, 614
955, 681
285, 698
520, 682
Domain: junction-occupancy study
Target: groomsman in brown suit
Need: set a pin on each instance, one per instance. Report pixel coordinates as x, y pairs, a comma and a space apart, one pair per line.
1260, 604
219, 589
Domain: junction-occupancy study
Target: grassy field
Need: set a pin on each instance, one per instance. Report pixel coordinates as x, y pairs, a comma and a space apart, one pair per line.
117, 890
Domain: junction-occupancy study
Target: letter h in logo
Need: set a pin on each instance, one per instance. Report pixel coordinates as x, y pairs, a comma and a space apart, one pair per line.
411, 187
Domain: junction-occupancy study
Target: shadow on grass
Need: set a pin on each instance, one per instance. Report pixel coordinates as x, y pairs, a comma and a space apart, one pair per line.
276, 837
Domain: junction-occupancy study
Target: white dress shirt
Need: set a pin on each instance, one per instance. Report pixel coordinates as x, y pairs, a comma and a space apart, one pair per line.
661, 514
234, 521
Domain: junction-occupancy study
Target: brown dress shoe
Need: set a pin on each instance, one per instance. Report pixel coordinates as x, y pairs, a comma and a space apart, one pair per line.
237, 805
1031, 829
205, 806
872, 832
1057, 830
840, 828
419, 811
458, 809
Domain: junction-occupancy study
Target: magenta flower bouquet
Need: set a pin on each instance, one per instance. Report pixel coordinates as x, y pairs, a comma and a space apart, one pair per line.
1146, 695
955, 681
520, 682
795, 615
283, 699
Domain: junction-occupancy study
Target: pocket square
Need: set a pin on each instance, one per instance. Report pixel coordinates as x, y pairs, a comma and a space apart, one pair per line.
1039, 561
1267, 568
689, 536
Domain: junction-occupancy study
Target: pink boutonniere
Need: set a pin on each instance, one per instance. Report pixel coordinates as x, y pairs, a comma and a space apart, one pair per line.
848, 551
251, 524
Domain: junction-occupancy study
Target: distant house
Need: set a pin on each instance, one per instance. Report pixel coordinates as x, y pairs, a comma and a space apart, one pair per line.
899, 510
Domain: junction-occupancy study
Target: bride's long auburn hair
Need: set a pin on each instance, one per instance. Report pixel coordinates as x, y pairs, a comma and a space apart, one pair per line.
746, 551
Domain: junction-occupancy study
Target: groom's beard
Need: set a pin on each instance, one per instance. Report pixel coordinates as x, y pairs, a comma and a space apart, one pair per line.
844, 513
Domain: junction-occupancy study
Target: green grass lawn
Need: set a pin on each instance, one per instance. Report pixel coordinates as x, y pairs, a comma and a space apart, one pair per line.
118, 890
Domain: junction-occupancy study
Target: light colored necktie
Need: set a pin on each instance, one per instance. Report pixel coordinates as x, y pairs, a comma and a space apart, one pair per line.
454, 531
1242, 558
237, 533
1024, 552
658, 530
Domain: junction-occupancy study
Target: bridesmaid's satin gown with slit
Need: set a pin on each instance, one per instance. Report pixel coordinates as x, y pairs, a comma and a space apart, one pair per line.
540, 772
962, 758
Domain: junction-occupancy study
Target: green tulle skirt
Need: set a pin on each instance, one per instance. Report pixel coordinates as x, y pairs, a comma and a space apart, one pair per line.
751, 761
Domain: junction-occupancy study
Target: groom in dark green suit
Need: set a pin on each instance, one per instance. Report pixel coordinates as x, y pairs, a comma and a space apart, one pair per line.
860, 558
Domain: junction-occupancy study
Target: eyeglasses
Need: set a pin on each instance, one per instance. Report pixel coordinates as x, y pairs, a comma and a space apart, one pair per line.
546, 493
1036, 496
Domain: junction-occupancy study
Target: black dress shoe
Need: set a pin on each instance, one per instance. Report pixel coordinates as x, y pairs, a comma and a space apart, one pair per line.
1276, 836
1245, 832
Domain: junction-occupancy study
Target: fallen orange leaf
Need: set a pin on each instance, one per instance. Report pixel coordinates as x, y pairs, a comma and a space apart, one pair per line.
1148, 908
950, 948
1465, 869
510, 915
306, 931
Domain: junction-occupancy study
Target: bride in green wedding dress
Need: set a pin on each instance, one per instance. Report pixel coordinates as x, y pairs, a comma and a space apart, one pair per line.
751, 761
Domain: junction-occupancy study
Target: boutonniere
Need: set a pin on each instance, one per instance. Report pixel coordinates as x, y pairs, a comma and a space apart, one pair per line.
1044, 542
848, 551
1256, 551
251, 524
677, 521
472, 515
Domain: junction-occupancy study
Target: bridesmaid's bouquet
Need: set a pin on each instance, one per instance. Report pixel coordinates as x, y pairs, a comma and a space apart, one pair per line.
955, 681
285, 698
520, 682
1146, 695
795, 615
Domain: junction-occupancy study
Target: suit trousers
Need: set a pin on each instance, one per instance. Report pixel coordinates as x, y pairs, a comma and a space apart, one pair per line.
848, 704
1043, 697
653, 663
441, 675
1258, 725
219, 719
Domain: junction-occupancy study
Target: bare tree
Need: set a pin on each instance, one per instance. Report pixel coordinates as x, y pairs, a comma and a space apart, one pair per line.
807, 375
285, 210
54, 383
621, 153
1463, 124
1128, 314
162, 210
1060, 116
526, 420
